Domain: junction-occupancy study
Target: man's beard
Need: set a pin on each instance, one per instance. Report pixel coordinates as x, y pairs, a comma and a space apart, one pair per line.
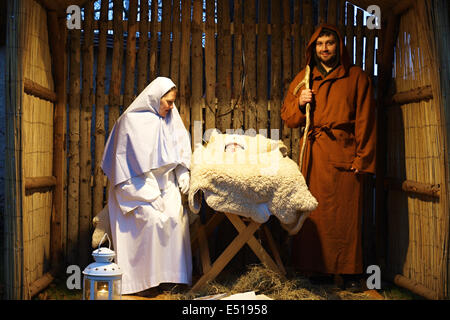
330, 63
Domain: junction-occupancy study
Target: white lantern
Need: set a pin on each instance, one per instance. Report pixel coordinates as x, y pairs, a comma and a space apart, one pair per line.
102, 278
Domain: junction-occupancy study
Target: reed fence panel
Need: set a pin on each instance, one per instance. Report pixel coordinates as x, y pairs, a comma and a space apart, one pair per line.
417, 221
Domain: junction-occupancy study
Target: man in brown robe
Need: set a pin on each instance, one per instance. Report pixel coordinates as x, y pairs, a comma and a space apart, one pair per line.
340, 148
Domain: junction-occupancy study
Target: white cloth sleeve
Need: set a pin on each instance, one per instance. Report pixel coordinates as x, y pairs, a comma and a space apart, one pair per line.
179, 170
137, 191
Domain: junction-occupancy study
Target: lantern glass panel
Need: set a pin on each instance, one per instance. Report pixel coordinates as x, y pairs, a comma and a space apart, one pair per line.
87, 289
117, 289
102, 290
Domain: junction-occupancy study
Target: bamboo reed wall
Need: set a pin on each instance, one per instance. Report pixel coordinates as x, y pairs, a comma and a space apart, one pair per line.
34, 153
231, 59
417, 222
37, 145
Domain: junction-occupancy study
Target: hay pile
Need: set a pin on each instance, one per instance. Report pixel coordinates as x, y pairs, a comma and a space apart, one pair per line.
262, 280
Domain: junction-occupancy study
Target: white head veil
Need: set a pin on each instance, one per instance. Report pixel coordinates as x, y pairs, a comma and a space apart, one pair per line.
142, 140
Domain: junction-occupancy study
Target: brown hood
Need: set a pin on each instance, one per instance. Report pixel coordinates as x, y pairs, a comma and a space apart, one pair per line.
343, 54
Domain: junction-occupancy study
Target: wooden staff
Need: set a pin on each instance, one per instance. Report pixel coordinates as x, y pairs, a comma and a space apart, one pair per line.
305, 82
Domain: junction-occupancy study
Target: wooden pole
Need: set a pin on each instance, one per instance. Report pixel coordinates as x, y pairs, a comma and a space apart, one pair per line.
297, 34
86, 119
210, 67
223, 91
332, 17
349, 31
415, 187
165, 38
389, 38
40, 284
370, 52
176, 31
130, 58
238, 76
287, 67
73, 192
359, 38
341, 18
39, 182
57, 36
184, 86
32, 88
276, 85
100, 101
250, 64
411, 96
142, 59
322, 11
261, 74
117, 60
197, 67
153, 55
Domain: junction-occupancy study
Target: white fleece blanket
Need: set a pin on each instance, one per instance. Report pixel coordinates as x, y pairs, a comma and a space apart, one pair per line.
256, 177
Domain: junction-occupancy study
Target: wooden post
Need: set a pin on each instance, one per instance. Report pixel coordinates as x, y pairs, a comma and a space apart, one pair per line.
342, 19
57, 37
100, 101
223, 92
165, 38
14, 189
276, 88
262, 62
197, 67
74, 155
184, 86
210, 67
130, 58
349, 30
389, 38
238, 112
250, 64
153, 55
359, 38
332, 17
142, 59
298, 36
370, 52
322, 11
86, 119
117, 60
176, 30
287, 67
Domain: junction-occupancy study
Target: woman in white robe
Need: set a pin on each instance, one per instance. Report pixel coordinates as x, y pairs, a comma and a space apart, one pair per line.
146, 159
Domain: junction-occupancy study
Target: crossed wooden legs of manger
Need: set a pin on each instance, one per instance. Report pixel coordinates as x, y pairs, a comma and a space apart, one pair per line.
245, 236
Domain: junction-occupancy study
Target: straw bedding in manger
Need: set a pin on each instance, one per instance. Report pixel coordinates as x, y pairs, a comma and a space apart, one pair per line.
262, 280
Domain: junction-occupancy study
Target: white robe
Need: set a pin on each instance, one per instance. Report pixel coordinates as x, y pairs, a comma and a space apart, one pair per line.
151, 247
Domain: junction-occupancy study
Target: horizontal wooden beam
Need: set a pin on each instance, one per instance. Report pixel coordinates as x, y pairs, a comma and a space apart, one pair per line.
415, 287
32, 88
39, 182
40, 284
415, 187
411, 96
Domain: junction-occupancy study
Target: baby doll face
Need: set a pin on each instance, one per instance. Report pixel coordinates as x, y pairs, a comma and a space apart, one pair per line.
233, 147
